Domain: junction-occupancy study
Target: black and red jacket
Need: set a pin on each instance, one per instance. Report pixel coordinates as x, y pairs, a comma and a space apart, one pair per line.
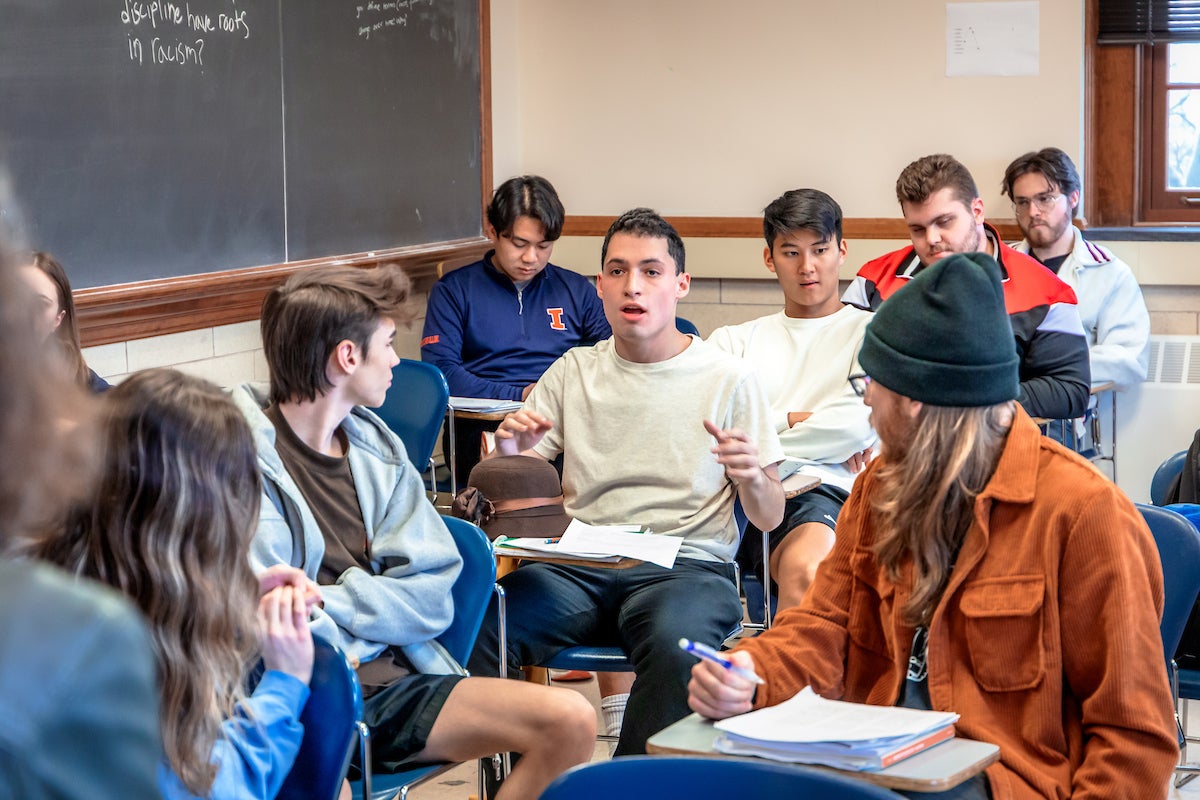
1055, 374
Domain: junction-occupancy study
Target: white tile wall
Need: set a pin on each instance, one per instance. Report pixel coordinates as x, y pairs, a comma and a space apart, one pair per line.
228, 355
241, 337
169, 350
107, 359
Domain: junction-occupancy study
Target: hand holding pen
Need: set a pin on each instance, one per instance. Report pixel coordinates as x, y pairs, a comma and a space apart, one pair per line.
705, 652
722, 685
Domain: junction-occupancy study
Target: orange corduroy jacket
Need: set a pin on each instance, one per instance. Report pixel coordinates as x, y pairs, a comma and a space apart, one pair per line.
1045, 641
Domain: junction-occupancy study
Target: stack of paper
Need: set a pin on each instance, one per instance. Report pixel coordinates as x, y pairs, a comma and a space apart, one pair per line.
483, 405
812, 730
604, 543
533, 547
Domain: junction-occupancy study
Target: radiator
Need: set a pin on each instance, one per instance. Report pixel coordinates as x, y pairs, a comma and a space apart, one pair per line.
1161, 416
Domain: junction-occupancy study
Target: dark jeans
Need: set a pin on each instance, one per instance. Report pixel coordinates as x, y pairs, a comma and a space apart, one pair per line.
643, 609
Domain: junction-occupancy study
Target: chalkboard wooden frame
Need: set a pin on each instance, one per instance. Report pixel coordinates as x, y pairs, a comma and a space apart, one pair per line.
121, 312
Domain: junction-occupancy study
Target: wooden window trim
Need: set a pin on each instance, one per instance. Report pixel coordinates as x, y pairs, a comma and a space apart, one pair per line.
1111, 75
1158, 204
1114, 187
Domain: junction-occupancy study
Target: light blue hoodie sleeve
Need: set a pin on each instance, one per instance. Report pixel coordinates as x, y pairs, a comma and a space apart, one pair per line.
258, 745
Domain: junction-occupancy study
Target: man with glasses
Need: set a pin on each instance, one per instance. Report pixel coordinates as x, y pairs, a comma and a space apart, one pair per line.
944, 214
1044, 187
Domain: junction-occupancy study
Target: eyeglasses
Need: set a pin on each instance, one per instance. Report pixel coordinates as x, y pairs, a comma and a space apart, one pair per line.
1044, 202
859, 383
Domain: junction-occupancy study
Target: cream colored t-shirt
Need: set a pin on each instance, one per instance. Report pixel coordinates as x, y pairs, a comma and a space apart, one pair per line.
634, 445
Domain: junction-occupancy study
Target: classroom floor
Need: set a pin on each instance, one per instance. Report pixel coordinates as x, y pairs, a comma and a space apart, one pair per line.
460, 783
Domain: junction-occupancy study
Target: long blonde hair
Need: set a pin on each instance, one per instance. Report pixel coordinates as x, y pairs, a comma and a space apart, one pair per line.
924, 499
170, 527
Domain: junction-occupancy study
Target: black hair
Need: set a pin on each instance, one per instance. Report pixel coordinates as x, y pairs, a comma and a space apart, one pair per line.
526, 196
803, 209
646, 222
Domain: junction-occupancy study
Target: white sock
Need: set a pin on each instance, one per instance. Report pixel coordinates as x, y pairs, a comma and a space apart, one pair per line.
613, 708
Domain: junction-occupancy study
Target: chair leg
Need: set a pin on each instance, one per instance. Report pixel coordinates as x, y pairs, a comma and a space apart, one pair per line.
1184, 773
433, 481
364, 755
766, 579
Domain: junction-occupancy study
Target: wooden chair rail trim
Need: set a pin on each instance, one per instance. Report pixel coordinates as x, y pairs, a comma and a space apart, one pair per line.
153, 308
751, 227
172, 305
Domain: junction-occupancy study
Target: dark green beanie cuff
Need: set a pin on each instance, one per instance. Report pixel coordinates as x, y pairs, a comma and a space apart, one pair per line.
939, 383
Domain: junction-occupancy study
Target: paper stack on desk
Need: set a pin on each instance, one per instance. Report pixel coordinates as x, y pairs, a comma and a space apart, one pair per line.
483, 405
603, 543
812, 730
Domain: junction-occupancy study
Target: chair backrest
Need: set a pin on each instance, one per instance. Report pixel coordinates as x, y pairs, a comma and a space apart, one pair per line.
1166, 473
686, 326
329, 717
472, 590
415, 407
699, 777
1178, 544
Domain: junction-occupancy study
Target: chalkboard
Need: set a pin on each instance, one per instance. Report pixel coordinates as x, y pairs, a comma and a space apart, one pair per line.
150, 138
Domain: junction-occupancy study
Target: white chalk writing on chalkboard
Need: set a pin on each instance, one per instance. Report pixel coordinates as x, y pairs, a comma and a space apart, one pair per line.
160, 47
378, 15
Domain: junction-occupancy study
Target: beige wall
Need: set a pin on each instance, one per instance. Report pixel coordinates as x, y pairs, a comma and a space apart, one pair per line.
713, 108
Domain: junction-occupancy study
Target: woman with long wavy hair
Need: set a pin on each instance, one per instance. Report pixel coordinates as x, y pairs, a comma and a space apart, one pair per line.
170, 527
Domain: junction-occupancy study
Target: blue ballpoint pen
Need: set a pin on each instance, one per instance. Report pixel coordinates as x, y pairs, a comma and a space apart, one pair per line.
708, 654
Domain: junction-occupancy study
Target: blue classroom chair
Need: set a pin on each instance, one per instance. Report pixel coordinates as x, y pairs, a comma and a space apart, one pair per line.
700, 777
1170, 469
414, 409
1178, 544
471, 592
331, 718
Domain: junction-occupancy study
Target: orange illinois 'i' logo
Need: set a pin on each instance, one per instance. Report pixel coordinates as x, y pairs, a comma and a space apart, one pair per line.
556, 322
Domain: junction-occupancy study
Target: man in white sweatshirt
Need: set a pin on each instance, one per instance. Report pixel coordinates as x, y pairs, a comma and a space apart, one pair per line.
1044, 187
803, 356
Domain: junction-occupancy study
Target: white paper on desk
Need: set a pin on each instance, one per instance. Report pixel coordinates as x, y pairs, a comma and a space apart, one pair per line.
483, 405
808, 717
624, 540
538, 547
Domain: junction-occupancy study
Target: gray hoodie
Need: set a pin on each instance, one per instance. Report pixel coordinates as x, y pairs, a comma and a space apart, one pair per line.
406, 602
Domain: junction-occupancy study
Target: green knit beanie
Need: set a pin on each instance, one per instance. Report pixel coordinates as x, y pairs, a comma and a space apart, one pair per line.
945, 338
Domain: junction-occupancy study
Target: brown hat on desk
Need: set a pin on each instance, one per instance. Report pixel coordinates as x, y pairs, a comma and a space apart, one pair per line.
513, 496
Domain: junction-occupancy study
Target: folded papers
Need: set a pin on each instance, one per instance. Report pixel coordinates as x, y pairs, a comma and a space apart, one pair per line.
601, 543
812, 730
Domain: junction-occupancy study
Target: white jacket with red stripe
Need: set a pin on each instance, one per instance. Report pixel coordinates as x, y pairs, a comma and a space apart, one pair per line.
1112, 310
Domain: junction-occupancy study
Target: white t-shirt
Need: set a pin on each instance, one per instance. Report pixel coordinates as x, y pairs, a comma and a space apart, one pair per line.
634, 445
803, 365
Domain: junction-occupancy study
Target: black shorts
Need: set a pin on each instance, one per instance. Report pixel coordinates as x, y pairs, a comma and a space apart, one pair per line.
821, 504
401, 716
